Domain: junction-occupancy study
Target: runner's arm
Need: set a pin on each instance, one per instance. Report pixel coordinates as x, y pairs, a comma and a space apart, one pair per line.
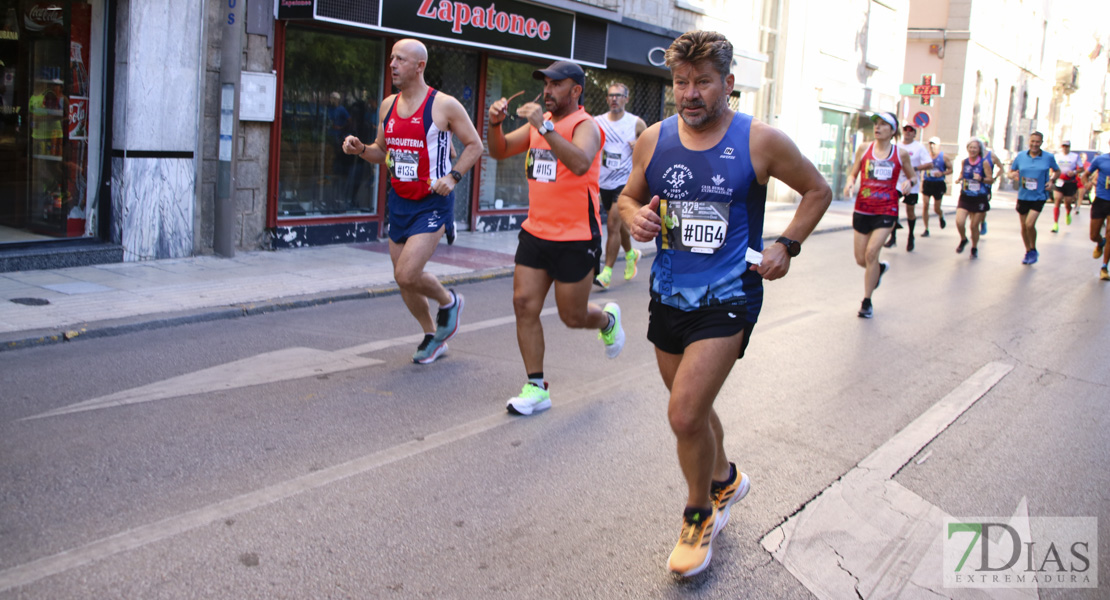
775, 155
640, 214
853, 172
501, 144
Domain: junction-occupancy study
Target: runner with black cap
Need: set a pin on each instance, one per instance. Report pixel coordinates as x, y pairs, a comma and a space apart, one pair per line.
560, 241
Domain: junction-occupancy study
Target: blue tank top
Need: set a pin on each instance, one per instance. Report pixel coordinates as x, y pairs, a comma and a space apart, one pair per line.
971, 187
712, 209
938, 164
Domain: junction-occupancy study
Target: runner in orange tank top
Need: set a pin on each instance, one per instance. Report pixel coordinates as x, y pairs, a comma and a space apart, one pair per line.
560, 241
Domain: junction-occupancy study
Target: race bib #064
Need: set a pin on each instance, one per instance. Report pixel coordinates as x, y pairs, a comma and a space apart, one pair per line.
694, 226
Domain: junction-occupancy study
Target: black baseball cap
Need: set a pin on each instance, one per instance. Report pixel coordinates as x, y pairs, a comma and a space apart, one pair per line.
562, 69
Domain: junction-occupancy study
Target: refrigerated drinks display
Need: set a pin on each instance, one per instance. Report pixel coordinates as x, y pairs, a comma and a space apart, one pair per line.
44, 119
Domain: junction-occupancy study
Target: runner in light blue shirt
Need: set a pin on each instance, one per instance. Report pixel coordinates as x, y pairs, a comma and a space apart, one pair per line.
1030, 170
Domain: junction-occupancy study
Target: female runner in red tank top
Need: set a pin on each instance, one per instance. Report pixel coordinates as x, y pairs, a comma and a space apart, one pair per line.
879, 164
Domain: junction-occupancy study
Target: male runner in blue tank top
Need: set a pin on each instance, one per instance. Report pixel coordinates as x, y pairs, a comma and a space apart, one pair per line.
698, 187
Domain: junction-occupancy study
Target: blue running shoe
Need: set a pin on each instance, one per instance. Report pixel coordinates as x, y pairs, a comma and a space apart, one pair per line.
447, 319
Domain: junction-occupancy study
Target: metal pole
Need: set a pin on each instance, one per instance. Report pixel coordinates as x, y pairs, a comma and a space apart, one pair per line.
231, 51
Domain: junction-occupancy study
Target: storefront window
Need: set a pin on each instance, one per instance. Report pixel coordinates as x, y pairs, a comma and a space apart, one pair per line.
454, 71
504, 185
45, 50
332, 86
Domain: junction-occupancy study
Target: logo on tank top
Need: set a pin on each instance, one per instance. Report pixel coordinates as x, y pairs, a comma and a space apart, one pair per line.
716, 187
718, 180
389, 129
676, 177
415, 120
727, 154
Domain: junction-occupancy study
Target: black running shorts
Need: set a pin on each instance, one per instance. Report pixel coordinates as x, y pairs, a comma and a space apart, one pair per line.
910, 199
609, 198
934, 189
1024, 206
868, 223
672, 330
974, 204
1100, 209
1069, 188
568, 262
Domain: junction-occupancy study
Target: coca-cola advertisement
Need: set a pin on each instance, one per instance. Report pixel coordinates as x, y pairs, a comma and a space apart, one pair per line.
77, 120
44, 18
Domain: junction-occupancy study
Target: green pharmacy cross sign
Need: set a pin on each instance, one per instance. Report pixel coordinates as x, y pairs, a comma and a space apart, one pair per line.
926, 89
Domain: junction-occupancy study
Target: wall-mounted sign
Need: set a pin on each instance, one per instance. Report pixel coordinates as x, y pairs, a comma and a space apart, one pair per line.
925, 90
921, 119
523, 27
296, 9
257, 96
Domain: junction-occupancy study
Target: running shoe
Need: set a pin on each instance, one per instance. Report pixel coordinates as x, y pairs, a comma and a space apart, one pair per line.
1103, 274
974, 253
883, 268
631, 260
447, 319
1034, 256
909, 244
1067, 218
925, 234
1055, 228
532, 399
614, 339
1098, 249
961, 246
892, 241
865, 310
1028, 259
724, 494
604, 277
983, 228
695, 542
428, 351
943, 223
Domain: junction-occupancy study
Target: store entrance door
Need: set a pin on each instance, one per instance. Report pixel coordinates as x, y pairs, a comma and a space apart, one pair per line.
834, 158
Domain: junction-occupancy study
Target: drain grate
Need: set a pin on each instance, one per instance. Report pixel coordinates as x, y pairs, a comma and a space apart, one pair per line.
31, 301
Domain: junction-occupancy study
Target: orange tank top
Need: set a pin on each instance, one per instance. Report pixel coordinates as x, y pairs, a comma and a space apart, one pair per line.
562, 206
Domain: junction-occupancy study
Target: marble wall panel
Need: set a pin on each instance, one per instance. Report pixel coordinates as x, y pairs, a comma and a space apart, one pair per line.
160, 75
152, 200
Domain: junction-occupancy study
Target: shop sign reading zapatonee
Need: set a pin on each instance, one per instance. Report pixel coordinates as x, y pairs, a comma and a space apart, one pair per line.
523, 27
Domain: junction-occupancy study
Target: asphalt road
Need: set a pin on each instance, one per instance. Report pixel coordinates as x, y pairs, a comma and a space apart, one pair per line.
218, 460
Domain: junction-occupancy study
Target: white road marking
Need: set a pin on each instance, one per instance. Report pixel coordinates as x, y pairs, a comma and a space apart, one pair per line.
282, 365
143, 535
866, 536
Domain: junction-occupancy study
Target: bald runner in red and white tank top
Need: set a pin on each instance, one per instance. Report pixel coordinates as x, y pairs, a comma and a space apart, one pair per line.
417, 152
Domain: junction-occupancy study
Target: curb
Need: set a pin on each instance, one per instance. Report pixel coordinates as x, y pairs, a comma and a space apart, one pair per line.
114, 327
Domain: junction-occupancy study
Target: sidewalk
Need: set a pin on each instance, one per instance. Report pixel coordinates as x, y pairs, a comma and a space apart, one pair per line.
49, 306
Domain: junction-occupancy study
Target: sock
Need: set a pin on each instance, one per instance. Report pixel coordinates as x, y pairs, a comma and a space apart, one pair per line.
731, 478
536, 379
612, 322
696, 514
911, 223
1056, 213
454, 299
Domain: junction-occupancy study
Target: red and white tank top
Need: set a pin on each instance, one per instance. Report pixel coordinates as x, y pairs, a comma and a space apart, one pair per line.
878, 191
417, 152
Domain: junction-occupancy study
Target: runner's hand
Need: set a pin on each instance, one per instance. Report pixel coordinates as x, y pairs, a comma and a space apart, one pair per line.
444, 185
775, 263
646, 223
352, 145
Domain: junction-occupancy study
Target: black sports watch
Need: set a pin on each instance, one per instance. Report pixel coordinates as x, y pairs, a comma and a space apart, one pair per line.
456, 176
793, 248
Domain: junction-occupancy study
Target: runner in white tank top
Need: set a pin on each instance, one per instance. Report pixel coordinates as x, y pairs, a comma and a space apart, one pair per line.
621, 129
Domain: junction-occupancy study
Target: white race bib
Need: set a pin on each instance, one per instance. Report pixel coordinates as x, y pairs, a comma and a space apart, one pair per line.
1029, 183
541, 165
1059, 183
405, 165
973, 186
883, 170
612, 161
